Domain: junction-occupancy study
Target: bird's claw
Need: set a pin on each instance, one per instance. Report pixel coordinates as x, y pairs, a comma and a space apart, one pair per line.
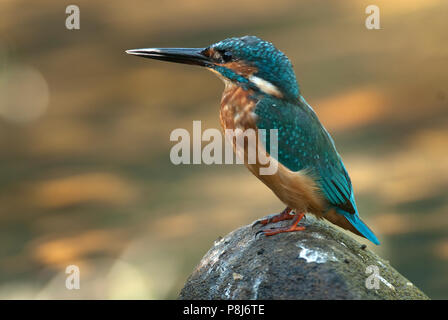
262, 222
256, 223
259, 232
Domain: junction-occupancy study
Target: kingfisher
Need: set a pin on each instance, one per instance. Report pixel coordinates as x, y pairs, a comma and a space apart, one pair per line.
261, 92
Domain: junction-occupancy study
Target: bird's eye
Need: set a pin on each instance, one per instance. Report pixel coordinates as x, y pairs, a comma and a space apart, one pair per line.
226, 56
222, 56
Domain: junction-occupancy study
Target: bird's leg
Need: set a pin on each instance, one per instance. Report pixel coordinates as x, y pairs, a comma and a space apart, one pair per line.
284, 215
291, 228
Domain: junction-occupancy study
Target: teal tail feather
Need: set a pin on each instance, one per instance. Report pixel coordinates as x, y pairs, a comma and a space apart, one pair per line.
360, 226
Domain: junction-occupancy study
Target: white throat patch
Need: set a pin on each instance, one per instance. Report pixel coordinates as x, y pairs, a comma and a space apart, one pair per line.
265, 86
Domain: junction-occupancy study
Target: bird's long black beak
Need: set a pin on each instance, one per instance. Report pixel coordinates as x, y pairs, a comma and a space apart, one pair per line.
192, 56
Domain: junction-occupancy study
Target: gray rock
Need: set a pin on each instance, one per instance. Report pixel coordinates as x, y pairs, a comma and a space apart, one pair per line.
320, 262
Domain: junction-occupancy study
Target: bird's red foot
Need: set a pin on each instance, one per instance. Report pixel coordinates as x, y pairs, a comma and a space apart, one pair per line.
291, 228
272, 232
284, 215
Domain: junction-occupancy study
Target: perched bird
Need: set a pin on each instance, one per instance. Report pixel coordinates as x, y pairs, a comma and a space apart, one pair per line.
261, 92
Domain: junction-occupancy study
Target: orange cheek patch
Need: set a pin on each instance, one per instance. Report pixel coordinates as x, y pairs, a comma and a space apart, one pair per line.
240, 68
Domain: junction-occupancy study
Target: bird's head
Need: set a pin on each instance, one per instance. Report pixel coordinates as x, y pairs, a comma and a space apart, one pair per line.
248, 62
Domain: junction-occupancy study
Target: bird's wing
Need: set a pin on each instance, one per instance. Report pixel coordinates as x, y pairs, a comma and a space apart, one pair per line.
303, 143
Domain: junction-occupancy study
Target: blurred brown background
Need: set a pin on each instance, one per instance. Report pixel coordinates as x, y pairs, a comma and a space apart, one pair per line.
85, 174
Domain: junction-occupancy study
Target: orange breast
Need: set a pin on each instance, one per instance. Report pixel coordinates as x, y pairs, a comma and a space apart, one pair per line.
237, 108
